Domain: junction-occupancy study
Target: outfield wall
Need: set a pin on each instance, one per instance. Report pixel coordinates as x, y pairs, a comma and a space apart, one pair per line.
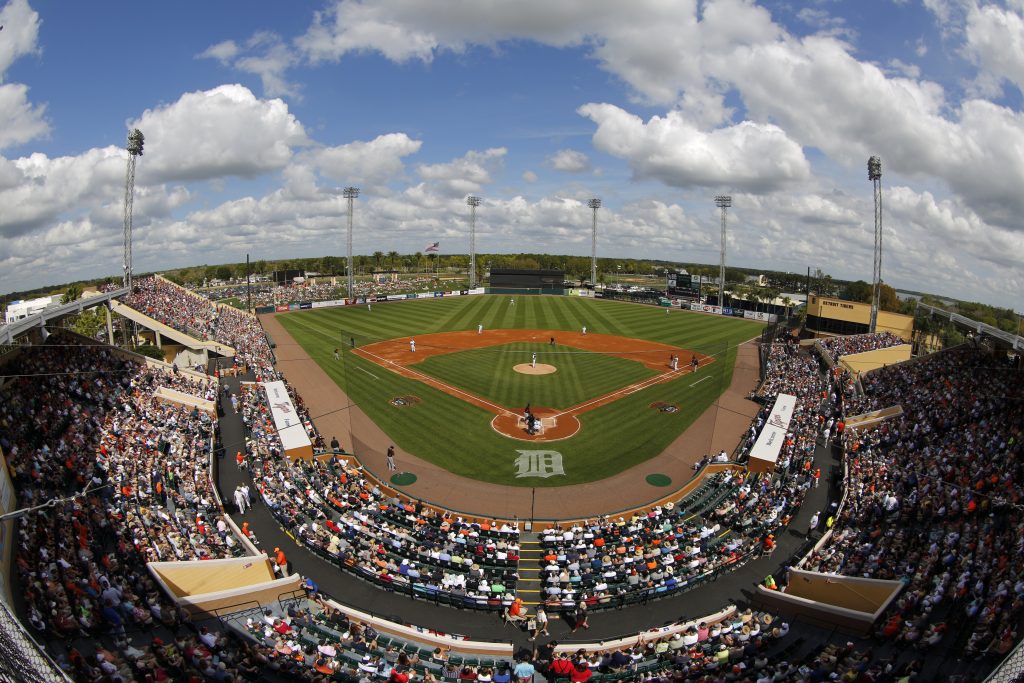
363, 300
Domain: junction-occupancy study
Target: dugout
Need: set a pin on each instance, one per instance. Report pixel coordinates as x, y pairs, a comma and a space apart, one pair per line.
524, 281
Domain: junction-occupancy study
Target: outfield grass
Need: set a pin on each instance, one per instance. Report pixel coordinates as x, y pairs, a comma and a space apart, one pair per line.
614, 437
581, 375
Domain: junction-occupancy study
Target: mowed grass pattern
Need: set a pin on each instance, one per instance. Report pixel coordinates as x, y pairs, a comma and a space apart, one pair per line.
581, 375
614, 437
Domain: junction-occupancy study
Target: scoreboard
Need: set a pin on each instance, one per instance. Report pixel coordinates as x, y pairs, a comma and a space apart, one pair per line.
684, 285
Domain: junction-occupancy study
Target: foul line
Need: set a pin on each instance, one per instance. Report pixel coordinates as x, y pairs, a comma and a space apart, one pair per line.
368, 372
700, 380
427, 379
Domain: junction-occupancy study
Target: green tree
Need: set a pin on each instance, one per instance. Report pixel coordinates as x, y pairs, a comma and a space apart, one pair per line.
72, 293
223, 273
392, 258
88, 324
857, 291
150, 351
887, 299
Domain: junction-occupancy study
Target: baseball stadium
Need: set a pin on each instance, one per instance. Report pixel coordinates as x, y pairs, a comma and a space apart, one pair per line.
456, 479
580, 464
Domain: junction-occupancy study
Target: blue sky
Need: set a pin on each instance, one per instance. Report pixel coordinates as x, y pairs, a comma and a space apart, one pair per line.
256, 114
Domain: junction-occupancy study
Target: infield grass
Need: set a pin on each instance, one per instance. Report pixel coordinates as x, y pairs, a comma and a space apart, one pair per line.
580, 375
613, 437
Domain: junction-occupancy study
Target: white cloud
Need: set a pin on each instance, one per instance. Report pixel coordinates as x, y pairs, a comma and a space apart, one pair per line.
652, 45
42, 189
21, 120
223, 52
465, 175
215, 133
265, 55
995, 41
529, 176
748, 156
374, 162
21, 31
901, 68
569, 161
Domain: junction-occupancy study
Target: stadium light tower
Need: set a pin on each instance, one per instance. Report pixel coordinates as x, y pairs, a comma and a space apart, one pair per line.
723, 202
594, 204
875, 176
350, 193
134, 147
473, 202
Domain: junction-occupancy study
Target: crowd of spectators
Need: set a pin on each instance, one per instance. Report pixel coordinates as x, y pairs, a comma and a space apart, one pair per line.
605, 562
268, 294
750, 646
194, 315
80, 426
331, 507
670, 547
934, 500
837, 347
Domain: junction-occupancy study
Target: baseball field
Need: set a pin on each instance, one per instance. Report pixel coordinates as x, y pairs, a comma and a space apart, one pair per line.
604, 400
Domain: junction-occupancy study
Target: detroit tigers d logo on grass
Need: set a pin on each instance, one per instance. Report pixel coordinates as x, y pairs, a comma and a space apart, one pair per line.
539, 464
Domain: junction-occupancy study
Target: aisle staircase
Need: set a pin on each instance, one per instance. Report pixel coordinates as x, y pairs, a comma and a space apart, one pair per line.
531, 580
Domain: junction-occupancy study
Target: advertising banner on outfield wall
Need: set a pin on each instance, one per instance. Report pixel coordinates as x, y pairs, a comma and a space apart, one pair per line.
282, 307
765, 450
306, 305
704, 308
760, 315
478, 290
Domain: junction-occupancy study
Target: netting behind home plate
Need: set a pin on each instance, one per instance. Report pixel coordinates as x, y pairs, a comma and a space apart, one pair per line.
21, 660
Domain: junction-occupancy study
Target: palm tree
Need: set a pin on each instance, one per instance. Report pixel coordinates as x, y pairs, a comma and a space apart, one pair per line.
419, 260
787, 302
377, 256
392, 256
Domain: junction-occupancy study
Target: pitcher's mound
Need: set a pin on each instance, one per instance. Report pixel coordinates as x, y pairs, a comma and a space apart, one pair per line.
541, 369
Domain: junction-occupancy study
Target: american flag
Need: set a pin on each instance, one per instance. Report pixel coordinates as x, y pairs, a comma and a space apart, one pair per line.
433, 247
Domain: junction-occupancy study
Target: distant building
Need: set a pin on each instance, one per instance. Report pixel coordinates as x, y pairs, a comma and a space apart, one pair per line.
16, 310
827, 317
